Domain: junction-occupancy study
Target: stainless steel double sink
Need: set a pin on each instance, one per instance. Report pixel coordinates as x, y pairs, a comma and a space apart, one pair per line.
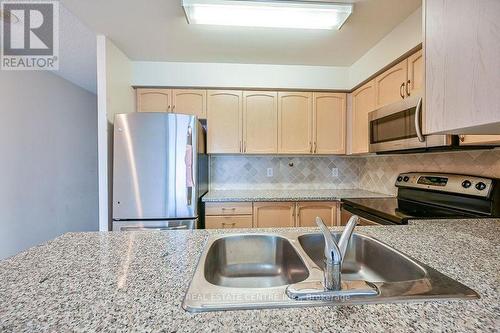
251, 271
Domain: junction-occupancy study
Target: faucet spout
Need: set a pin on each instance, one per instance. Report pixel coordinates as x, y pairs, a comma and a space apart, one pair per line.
335, 253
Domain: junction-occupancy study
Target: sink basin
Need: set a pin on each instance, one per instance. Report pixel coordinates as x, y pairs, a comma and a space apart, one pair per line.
253, 261
366, 259
255, 271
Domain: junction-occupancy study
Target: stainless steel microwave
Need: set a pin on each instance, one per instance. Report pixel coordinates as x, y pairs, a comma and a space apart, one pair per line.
398, 127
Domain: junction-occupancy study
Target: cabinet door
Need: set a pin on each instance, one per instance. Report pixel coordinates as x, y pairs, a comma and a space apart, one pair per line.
308, 211
154, 100
329, 123
228, 208
273, 214
462, 67
224, 113
363, 102
190, 101
489, 140
228, 222
294, 123
415, 81
260, 122
345, 216
390, 85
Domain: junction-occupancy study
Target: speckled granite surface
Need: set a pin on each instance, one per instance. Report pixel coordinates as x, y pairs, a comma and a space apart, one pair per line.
286, 195
136, 282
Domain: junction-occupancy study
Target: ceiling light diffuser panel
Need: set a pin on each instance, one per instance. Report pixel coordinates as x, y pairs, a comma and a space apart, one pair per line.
272, 14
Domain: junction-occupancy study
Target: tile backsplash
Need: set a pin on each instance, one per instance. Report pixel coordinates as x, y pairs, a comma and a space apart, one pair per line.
300, 172
374, 173
379, 172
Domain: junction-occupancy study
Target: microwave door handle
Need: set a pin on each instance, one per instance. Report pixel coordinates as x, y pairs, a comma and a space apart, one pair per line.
418, 126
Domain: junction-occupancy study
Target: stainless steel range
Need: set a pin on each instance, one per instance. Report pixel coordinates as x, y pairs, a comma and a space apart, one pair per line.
430, 196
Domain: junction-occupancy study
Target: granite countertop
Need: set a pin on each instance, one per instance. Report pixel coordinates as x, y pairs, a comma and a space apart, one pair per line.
136, 282
286, 195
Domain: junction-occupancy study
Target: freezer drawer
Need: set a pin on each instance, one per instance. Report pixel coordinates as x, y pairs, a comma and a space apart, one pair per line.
155, 225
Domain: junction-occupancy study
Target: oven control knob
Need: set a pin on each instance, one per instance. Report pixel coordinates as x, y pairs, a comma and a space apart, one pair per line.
466, 184
406, 178
480, 186
400, 179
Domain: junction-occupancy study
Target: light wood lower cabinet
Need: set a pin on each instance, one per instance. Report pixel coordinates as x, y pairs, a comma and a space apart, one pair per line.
345, 216
270, 214
274, 214
228, 222
228, 208
308, 211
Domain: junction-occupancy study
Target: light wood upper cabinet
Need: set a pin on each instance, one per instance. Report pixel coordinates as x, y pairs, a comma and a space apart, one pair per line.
363, 102
493, 140
462, 67
224, 118
183, 101
273, 214
260, 122
190, 101
295, 123
329, 123
415, 82
154, 100
390, 85
308, 211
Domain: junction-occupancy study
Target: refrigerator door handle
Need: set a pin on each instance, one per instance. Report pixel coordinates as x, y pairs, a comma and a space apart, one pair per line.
189, 166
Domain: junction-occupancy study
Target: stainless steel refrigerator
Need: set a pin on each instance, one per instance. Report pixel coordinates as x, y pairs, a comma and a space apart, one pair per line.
160, 171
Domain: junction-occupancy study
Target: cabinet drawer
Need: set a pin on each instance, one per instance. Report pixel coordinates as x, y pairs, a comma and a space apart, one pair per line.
228, 222
228, 208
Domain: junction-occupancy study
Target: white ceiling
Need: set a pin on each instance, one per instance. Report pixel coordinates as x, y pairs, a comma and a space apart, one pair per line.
156, 30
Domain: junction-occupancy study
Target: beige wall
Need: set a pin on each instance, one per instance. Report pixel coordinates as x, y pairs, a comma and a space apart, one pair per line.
116, 95
48, 170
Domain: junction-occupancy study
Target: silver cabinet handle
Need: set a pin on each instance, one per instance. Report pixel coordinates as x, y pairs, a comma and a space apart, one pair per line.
310, 147
241, 146
401, 90
408, 87
168, 108
418, 120
315, 147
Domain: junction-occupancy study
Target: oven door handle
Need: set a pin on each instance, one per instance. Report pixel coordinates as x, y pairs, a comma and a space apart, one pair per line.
418, 120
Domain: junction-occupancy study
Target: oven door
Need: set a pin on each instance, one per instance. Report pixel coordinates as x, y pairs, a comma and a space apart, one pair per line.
397, 126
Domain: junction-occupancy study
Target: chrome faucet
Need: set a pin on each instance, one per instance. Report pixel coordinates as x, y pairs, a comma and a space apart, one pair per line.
335, 252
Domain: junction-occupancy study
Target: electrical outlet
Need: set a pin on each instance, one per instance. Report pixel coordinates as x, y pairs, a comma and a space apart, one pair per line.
269, 172
335, 172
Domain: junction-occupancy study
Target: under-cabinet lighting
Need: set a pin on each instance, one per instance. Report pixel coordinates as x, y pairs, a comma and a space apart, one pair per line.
274, 14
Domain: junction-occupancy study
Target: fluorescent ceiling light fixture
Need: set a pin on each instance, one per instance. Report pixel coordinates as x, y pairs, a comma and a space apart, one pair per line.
274, 14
